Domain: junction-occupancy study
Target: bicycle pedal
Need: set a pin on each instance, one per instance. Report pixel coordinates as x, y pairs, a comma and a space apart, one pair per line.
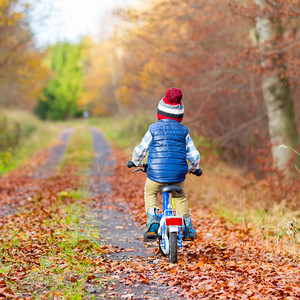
150, 236
189, 239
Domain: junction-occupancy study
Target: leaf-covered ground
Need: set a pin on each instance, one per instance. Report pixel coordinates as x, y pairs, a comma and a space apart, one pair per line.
46, 249
224, 262
51, 249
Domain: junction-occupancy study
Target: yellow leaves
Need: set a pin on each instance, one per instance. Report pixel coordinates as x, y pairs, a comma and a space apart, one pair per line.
102, 75
63, 193
7, 19
3, 5
16, 17
149, 73
22, 71
124, 94
35, 270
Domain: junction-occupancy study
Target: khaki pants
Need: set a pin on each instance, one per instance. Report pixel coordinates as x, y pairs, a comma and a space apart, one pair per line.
180, 201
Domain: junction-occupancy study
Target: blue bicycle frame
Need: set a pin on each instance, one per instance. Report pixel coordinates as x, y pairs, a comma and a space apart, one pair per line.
169, 231
168, 211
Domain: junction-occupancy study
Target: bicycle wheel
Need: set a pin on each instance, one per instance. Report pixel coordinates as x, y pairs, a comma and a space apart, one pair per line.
173, 247
162, 250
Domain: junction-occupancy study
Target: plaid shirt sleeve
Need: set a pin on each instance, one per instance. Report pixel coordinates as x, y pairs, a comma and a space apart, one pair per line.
192, 154
140, 151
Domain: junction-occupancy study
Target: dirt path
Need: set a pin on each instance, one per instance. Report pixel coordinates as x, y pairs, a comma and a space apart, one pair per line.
55, 154
226, 261
21, 185
120, 231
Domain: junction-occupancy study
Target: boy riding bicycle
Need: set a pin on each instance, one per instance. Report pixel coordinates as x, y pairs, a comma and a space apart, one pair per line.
170, 146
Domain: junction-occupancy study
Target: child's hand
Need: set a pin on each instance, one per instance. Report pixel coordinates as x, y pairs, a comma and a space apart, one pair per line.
197, 172
130, 164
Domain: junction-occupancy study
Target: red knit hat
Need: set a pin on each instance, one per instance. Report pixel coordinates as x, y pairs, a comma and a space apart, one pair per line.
171, 107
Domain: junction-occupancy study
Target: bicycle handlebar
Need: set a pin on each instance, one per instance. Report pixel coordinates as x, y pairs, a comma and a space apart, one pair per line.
130, 164
197, 172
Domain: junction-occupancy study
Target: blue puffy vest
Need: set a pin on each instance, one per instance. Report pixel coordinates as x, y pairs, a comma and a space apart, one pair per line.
167, 152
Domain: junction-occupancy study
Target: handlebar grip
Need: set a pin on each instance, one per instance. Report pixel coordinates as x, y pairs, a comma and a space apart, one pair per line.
197, 172
130, 164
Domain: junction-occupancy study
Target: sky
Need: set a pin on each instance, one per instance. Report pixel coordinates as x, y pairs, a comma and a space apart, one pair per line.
56, 20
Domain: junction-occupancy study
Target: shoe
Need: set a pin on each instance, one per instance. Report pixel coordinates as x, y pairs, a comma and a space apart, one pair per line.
189, 232
152, 227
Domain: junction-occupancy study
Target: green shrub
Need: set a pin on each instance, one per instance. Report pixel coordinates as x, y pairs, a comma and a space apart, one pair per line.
21, 133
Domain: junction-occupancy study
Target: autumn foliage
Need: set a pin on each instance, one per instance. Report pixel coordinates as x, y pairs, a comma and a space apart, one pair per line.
22, 74
225, 261
210, 50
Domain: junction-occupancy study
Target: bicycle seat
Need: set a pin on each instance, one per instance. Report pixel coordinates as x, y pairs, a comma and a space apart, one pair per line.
171, 188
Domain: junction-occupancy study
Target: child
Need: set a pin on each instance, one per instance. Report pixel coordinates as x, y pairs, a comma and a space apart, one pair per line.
170, 145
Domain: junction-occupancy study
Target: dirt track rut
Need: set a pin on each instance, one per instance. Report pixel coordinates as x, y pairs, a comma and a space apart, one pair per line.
118, 229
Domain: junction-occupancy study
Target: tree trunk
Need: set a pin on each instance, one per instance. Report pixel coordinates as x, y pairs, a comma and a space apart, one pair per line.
276, 94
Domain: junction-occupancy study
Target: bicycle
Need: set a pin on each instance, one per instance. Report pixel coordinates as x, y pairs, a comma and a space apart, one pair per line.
170, 229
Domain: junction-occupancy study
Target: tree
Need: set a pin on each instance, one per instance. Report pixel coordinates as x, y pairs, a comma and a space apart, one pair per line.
99, 95
204, 47
196, 46
22, 74
60, 97
275, 86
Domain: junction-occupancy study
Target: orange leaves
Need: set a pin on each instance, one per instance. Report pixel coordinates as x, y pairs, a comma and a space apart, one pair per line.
37, 243
206, 49
21, 64
173, 282
143, 279
73, 278
90, 278
5, 292
223, 262
196, 266
130, 249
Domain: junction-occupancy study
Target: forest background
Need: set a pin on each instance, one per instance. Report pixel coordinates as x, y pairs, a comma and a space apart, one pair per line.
237, 62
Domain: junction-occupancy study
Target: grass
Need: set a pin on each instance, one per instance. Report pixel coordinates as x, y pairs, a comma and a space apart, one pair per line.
80, 149
71, 264
64, 271
125, 132
35, 135
80, 246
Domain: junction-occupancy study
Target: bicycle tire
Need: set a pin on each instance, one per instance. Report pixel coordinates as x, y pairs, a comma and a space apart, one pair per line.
173, 247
